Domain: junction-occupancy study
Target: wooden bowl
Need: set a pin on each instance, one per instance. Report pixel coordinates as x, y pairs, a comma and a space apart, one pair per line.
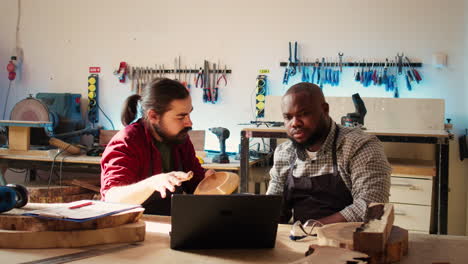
220, 183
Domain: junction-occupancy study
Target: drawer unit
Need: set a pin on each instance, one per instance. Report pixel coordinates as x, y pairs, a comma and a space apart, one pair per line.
413, 217
411, 193
411, 190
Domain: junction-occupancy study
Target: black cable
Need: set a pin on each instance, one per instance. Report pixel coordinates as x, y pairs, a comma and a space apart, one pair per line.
110, 121
60, 171
6, 101
26, 175
53, 162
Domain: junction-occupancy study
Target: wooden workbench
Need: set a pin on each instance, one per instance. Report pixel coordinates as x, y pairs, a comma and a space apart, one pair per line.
155, 249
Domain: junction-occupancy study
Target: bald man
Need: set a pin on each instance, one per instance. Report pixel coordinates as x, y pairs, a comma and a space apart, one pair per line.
325, 172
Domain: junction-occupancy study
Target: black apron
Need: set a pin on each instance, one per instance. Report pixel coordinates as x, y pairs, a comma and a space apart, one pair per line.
315, 197
155, 204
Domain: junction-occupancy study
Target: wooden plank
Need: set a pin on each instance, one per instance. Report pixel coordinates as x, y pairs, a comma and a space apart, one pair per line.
18, 138
29, 153
127, 233
13, 220
413, 167
371, 238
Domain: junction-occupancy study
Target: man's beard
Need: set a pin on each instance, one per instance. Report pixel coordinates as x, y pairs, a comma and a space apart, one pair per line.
177, 139
320, 132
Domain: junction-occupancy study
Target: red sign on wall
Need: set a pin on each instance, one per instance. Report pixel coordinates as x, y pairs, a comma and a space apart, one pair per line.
94, 69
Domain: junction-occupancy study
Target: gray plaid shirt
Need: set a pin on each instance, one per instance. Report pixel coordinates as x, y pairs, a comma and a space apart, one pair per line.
362, 164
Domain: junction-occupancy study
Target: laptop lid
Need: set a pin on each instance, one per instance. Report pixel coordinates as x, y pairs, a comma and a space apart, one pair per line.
224, 221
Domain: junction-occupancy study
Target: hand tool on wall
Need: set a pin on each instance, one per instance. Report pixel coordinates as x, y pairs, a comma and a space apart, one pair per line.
321, 76
316, 66
189, 80
199, 78
287, 71
305, 74
399, 62
184, 83
179, 68
416, 74
340, 55
292, 68
148, 75
223, 76
214, 88
206, 81
409, 77
296, 60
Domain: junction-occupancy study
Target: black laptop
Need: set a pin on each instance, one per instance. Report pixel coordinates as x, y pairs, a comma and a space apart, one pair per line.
224, 221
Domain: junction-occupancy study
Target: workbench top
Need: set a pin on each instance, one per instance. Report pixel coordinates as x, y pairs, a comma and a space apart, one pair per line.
155, 249
378, 132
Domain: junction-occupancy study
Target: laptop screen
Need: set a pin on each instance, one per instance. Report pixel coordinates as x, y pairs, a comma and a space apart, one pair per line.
224, 221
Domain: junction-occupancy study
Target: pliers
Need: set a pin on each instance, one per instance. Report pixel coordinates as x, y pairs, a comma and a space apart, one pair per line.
199, 78
222, 77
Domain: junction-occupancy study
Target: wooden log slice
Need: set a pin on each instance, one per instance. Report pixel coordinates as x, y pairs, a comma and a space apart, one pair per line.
70, 239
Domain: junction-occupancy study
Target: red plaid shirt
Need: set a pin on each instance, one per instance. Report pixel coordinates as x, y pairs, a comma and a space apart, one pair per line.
128, 156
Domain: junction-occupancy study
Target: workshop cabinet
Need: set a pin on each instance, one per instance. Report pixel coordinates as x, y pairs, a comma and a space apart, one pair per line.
411, 192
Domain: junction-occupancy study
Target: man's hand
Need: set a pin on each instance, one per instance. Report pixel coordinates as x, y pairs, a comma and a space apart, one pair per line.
209, 173
167, 181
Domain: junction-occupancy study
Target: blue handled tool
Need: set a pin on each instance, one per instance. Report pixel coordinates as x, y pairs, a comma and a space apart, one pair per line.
305, 74
292, 69
296, 60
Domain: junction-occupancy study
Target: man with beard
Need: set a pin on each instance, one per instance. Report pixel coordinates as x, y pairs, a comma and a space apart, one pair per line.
325, 172
150, 158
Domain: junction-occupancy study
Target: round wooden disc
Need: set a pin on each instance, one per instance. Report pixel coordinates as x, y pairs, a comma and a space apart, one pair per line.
126, 233
220, 183
30, 109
